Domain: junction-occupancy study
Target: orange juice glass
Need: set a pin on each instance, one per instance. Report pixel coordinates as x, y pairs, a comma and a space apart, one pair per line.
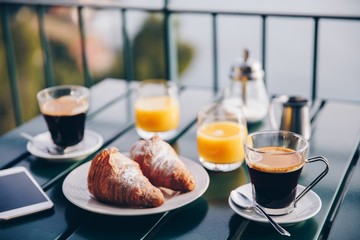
157, 109
220, 134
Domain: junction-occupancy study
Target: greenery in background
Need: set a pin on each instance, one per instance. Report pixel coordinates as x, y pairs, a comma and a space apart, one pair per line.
147, 49
28, 72
149, 53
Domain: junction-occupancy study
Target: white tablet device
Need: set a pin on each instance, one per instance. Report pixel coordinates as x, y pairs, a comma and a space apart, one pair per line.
20, 194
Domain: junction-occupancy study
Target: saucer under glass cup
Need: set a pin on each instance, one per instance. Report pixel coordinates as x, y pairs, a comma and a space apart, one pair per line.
220, 133
157, 109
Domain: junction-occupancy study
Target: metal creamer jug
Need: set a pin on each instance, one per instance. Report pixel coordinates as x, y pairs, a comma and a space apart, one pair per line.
294, 114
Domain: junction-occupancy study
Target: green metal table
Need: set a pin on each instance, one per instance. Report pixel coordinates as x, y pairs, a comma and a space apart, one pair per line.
335, 135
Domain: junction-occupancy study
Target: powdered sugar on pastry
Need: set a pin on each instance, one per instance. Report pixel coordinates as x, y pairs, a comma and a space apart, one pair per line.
162, 159
127, 170
160, 163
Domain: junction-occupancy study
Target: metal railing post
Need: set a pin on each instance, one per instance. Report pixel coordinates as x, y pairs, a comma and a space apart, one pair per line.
315, 58
11, 61
48, 71
87, 77
171, 71
127, 49
215, 53
263, 45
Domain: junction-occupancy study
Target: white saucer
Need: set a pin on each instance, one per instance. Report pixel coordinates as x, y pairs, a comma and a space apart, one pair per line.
92, 141
307, 207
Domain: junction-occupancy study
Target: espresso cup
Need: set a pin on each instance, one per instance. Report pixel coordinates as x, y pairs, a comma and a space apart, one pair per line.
275, 160
64, 109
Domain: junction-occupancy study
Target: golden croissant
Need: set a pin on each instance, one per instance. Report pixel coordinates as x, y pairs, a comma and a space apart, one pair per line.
116, 179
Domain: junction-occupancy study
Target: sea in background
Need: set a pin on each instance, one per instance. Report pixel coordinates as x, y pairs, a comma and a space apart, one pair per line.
289, 45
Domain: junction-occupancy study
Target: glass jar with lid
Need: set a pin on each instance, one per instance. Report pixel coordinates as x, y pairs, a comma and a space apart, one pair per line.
247, 88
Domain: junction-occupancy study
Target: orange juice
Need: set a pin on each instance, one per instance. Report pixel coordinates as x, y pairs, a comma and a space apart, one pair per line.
157, 114
221, 142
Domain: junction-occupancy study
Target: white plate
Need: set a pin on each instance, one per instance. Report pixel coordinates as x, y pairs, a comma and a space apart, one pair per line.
76, 191
92, 141
307, 207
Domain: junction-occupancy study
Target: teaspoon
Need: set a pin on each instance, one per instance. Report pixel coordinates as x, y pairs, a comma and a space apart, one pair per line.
52, 149
244, 202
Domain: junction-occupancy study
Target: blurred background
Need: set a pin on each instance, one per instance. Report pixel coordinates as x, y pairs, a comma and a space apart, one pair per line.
288, 57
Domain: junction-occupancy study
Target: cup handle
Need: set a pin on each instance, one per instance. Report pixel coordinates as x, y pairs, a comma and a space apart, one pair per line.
317, 179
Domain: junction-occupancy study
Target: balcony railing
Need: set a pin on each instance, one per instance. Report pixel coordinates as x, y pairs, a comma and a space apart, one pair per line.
168, 10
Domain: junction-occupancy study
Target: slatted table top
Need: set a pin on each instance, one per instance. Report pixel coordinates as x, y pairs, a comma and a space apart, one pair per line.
335, 135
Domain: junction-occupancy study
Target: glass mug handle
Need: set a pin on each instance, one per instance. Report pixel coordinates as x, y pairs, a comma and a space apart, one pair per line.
317, 179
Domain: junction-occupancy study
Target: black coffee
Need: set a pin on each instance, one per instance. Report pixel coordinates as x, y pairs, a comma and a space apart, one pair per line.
66, 130
275, 177
65, 118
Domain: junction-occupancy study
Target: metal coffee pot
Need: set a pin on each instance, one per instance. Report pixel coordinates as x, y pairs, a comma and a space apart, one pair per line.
294, 114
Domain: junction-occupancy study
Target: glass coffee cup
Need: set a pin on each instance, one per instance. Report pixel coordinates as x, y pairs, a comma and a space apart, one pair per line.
275, 160
157, 109
64, 109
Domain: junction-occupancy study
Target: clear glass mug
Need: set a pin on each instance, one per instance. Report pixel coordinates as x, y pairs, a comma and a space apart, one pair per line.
64, 109
220, 132
275, 160
157, 109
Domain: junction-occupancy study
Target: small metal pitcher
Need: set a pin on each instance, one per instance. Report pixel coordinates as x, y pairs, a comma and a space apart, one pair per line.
295, 114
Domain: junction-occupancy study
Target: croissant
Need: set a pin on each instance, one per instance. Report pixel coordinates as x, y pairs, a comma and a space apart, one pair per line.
116, 179
160, 163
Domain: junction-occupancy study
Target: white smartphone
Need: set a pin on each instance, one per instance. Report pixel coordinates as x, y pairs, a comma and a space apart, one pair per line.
20, 194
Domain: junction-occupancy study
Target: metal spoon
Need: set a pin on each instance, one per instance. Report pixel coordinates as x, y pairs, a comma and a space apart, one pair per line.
52, 149
244, 202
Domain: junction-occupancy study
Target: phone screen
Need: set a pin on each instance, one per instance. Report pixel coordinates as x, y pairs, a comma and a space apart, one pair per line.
17, 191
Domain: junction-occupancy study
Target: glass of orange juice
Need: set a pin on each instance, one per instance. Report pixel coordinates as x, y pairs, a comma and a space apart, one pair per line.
220, 133
157, 109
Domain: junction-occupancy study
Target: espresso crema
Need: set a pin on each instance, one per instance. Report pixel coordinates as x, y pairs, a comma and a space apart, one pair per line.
64, 106
277, 160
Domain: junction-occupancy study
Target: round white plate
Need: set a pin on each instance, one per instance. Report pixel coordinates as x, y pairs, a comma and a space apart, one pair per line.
76, 191
92, 141
307, 207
